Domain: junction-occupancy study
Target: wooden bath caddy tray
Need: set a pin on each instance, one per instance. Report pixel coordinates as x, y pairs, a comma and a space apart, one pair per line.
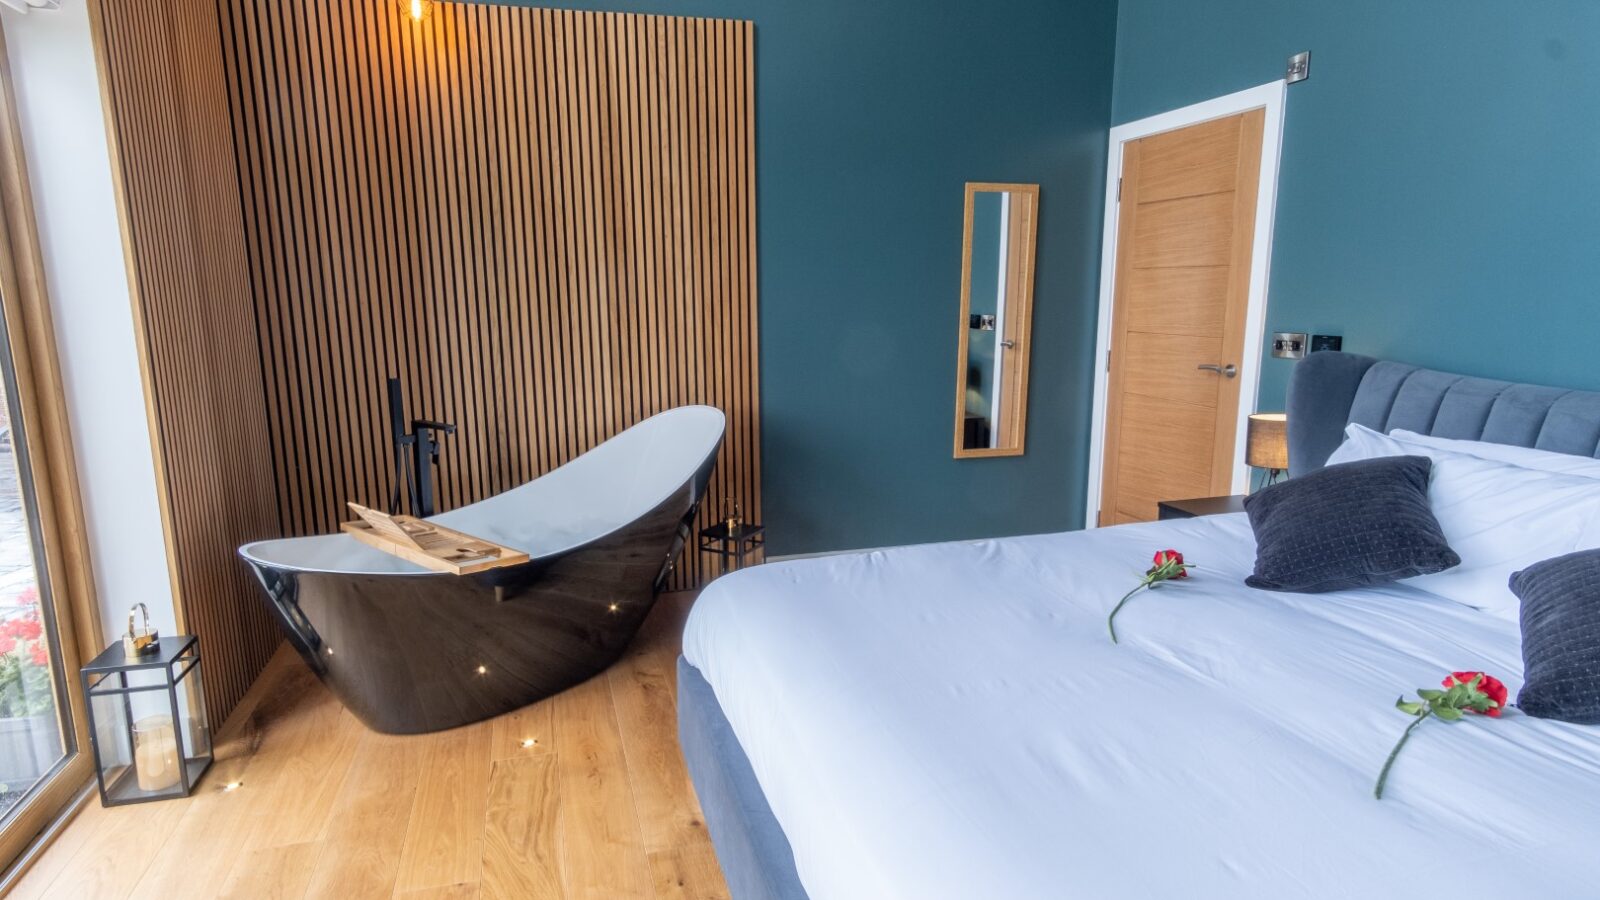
429, 545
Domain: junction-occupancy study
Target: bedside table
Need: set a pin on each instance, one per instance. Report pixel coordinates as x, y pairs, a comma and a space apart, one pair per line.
1203, 506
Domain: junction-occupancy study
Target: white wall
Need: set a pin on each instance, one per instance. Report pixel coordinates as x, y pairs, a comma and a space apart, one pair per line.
58, 99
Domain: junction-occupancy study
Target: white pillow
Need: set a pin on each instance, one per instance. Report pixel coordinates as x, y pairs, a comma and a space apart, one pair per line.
1499, 517
1526, 457
1361, 442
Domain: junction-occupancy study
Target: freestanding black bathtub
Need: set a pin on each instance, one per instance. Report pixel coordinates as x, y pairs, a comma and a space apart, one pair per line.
409, 650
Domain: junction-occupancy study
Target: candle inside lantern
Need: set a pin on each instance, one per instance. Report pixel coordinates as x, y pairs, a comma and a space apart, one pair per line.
155, 753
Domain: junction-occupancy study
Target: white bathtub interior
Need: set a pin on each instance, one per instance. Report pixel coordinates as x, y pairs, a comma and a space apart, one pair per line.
591, 496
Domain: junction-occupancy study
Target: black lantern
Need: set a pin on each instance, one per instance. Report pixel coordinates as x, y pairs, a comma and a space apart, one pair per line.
733, 538
147, 720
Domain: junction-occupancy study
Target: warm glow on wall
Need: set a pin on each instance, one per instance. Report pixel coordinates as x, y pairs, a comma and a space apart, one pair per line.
417, 10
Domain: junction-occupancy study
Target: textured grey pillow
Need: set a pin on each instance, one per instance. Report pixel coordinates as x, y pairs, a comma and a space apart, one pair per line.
1561, 637
1348, 525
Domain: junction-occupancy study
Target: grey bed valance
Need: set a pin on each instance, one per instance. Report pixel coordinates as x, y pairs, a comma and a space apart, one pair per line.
1330, 390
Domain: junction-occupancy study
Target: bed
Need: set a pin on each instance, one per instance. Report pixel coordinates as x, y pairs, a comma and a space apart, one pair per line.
952, 720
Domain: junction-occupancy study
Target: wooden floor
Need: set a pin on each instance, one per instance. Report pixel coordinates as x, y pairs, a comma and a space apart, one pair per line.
598, 806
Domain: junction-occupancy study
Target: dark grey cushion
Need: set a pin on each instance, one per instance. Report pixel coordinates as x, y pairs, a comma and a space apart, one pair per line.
1561, 637
1353, 524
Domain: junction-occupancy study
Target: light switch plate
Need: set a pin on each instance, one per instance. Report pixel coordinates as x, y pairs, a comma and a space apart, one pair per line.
1299, 67
1289, 344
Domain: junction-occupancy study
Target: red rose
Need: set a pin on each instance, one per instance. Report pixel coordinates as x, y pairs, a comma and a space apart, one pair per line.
1490, 686
39, 654
1479, 694
1169, 564
1163, 557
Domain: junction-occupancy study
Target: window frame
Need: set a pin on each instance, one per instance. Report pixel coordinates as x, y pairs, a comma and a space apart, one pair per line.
65, 576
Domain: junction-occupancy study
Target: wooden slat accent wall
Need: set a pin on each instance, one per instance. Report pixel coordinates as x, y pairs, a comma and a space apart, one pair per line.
179, 197
542, 221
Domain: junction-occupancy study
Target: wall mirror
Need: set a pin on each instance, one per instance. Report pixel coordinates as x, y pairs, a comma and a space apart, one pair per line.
996, 315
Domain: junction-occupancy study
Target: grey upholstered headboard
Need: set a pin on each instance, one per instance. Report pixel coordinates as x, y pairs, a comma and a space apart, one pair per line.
1329, 390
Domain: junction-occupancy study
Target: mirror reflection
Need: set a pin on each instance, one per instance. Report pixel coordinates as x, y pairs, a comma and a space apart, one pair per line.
996, 305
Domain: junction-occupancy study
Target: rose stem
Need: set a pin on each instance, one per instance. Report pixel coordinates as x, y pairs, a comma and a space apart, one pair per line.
1111, 620
1383, 776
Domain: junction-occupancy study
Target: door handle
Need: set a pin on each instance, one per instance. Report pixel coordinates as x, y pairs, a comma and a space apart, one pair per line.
1008, 344
1227, 371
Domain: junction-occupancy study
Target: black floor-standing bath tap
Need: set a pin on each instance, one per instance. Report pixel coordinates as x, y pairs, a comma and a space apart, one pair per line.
416, 454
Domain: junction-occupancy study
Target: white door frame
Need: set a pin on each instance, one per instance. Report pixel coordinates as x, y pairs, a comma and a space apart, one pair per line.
1269, 97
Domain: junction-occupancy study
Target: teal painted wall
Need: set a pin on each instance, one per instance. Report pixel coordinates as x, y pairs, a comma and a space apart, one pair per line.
1440, 195
870, 119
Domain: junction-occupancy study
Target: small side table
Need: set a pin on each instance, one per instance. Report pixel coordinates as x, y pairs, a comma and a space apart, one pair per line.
1201, 506
732, 544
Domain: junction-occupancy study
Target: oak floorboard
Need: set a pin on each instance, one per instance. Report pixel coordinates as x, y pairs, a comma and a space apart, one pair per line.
314, 750
448, 892
520, 857
361, 847
210, 836
602, 851
678, 848
531, 723
116, 854
273, 873
444, 842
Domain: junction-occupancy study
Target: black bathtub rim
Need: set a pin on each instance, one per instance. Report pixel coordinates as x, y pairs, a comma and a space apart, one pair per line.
417, 571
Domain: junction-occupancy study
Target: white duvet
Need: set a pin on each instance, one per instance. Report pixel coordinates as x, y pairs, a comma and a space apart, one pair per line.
953, 721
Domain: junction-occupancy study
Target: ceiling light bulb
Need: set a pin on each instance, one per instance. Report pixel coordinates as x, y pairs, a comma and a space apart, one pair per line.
233, 786
483, 670
418, 9
528, 742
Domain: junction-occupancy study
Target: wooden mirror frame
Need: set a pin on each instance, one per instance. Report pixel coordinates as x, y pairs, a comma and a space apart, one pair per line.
1017, 409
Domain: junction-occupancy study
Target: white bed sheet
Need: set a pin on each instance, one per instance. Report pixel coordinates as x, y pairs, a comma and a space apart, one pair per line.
952, 721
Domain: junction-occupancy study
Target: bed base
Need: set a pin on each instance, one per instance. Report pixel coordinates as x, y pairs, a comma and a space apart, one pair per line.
751, 847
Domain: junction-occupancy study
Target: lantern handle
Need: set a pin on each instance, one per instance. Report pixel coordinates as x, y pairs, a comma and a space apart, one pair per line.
139, 641
144, 614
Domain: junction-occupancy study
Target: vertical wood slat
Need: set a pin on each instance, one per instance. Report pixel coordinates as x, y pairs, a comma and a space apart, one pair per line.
191, 278
542, 221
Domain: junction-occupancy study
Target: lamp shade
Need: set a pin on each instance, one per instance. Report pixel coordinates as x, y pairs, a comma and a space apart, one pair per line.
1267, 443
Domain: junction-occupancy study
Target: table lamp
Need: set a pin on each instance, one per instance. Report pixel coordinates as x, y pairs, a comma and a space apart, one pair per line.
1267, 444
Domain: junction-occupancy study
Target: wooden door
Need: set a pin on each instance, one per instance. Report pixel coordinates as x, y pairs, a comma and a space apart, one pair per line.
1185, 234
